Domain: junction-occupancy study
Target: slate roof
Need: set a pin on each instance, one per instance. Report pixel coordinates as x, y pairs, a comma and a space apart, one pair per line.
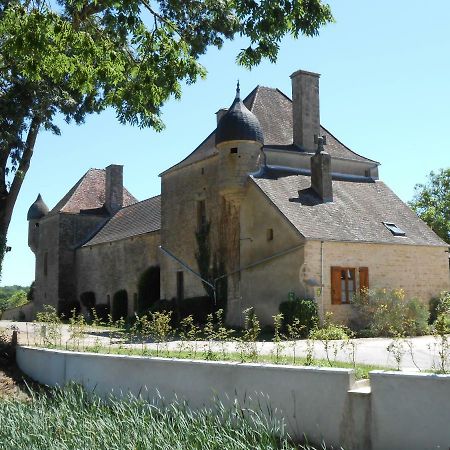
38, 209
274, 111
139, 218
88, 194
238, 123
356, 214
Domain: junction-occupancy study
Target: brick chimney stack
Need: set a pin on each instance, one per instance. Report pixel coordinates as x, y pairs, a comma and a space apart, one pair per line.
114, 188
305, 108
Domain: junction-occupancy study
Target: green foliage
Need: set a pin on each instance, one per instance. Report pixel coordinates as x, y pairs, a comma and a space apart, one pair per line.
330, 331
16, 299
30, 294
120, 305
439, 305
302, 310
431, 202
382, 312
72, 58
12, 297
74, 418
148, 288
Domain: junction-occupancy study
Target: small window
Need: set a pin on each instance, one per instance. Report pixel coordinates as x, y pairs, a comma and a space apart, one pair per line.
180, 286
233, 150
203, 170
270, 234
394, 229
36, 225
343, 283
45, 263
201, 214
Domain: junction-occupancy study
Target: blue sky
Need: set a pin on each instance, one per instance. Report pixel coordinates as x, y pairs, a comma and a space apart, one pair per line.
384, 92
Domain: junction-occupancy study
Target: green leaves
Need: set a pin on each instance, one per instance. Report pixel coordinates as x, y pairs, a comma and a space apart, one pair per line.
431, 202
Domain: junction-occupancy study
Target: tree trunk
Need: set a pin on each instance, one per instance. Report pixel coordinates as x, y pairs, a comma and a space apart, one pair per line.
8, 199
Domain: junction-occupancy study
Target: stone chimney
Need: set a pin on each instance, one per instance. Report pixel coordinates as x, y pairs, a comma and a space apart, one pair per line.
114, 188
305, 108
321, 180
221, 113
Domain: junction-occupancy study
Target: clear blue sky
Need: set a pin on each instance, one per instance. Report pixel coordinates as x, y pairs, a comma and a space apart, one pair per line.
385, 91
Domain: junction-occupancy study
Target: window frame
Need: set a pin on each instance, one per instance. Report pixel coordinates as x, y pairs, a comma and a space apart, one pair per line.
336, 283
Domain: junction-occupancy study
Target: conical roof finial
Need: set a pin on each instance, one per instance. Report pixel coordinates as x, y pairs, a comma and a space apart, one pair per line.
238, 91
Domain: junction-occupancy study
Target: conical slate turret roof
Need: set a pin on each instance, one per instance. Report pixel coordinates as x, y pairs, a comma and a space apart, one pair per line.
38, 209
239, 124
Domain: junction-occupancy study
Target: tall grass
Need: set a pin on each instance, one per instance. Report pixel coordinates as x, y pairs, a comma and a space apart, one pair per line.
70, 418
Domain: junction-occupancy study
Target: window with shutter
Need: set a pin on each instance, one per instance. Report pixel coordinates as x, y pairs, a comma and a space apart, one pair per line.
335, 285
363, 278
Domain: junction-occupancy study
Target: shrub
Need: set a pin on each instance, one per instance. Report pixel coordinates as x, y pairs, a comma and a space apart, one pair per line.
437, 304
65, 308
102, 311
120, 305
197, 307
304, 310
382, 312
87, 299
330, 330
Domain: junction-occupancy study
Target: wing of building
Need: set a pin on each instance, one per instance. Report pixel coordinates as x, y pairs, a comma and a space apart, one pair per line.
269, 203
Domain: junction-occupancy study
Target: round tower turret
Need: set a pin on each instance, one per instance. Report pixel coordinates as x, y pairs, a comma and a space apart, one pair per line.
238, 124
37, 211
239, 139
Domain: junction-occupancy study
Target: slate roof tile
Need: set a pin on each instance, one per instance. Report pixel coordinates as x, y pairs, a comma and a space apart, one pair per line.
274, 111
88, 193
136, 219
356, 214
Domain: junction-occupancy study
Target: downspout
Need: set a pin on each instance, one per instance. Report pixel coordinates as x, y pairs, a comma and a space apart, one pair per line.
322, 307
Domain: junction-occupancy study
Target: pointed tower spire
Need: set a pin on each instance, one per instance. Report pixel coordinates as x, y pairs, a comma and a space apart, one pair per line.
238, 91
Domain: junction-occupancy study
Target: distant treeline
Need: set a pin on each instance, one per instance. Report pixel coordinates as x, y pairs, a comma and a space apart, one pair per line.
13, 296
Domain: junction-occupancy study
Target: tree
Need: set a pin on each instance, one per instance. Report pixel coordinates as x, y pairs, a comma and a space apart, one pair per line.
431, 202
77, 57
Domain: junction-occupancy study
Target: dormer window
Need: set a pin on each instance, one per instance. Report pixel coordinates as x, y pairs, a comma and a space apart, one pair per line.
394, 229
233, 150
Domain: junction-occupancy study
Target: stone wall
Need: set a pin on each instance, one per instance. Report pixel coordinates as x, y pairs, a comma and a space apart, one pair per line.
420, 270
109, 267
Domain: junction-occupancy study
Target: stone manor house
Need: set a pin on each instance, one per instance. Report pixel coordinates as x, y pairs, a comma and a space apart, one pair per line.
269, 203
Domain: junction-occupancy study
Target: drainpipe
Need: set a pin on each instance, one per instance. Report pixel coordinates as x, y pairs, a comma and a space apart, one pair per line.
249, 266
321, 281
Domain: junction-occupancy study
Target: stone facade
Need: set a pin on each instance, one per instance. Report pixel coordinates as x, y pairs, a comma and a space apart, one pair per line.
242, 208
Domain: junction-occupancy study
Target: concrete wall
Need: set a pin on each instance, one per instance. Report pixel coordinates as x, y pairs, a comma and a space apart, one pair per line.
107, 268
397, 411
421, 271
313, 401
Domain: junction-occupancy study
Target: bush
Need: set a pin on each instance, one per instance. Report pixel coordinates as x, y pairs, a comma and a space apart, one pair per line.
120, 305
437, 304
87, 299
330, 330
65, 308
197, 307
382, 312
102, 311
305, 310
148, 289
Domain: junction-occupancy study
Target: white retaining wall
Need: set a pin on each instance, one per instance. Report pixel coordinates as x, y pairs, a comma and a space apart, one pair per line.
403, 411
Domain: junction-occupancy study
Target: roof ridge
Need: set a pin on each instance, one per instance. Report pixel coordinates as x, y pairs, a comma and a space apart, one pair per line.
140, 201
348, 148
